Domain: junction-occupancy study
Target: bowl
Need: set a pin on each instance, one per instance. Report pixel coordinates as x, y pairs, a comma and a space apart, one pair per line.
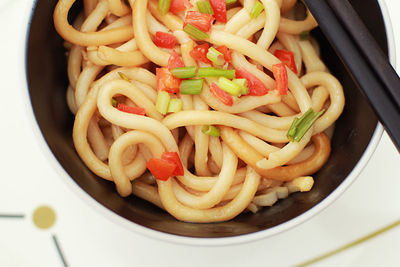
356, 136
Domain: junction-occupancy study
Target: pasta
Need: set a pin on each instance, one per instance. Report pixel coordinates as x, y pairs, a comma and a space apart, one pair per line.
205, 108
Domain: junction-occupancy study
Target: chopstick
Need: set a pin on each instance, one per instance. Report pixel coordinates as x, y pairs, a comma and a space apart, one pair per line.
368, 46
377, 82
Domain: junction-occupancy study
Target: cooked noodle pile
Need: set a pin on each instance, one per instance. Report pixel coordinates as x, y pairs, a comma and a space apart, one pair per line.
236, 137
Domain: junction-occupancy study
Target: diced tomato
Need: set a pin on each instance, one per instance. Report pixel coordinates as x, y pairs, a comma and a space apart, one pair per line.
219, 7
166, 81
223, 96
173, 157
199, 53
256, 87
164, 40
161, 168
199, 20
281, 78
178, 6
175, 61
133, 110
286, 57
226, 52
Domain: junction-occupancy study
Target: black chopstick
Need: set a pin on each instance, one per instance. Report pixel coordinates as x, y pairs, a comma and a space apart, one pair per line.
363, 73
368, 46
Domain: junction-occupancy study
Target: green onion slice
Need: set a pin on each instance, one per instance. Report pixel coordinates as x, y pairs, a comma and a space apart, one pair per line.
175, 105
191, 87
230, 1
162, 102
210, 130
184, 72
123, 76
204, 6
301, 125
215, 56
195, 32
114, 102
229, 86
243, 85
256, 10
163, 6
215, 72
304, 35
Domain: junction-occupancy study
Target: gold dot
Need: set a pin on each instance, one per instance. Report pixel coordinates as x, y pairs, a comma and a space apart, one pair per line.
44, 217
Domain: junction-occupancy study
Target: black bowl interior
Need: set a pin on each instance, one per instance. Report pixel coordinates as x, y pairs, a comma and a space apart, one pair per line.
47, 79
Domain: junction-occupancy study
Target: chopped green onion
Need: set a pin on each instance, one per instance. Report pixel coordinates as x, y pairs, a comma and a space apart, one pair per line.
114, 102
195, 32
163, 6
123, 76
304, 35
229, 86
230, 1
210, 130
215, 56
301, 125
293, 127
256, 10
191, 87
162, 102
175, 105
215, 72
204, 6
184, 72
243, 85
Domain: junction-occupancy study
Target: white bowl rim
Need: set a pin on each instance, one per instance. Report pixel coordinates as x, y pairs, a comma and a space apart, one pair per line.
195, 241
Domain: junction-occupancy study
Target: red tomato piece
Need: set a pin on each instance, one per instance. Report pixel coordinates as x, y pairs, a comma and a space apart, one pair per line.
199, 53
223, 96
133, 110
164, 40
173, 157
226, 52
200, 20
286, 57
281, 78
175, 61
160, 168
166, 81
256, 87
178, 6
219, 7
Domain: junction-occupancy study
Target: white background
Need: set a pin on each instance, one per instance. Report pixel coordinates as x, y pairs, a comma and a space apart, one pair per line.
88, 239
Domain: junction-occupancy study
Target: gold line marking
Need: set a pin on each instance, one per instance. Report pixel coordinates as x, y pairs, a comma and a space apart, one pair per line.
352, 244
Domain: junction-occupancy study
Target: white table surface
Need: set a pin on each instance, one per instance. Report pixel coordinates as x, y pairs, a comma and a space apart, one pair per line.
86, 238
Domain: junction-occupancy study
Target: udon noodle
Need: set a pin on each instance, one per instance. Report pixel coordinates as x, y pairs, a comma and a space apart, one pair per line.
248, 161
